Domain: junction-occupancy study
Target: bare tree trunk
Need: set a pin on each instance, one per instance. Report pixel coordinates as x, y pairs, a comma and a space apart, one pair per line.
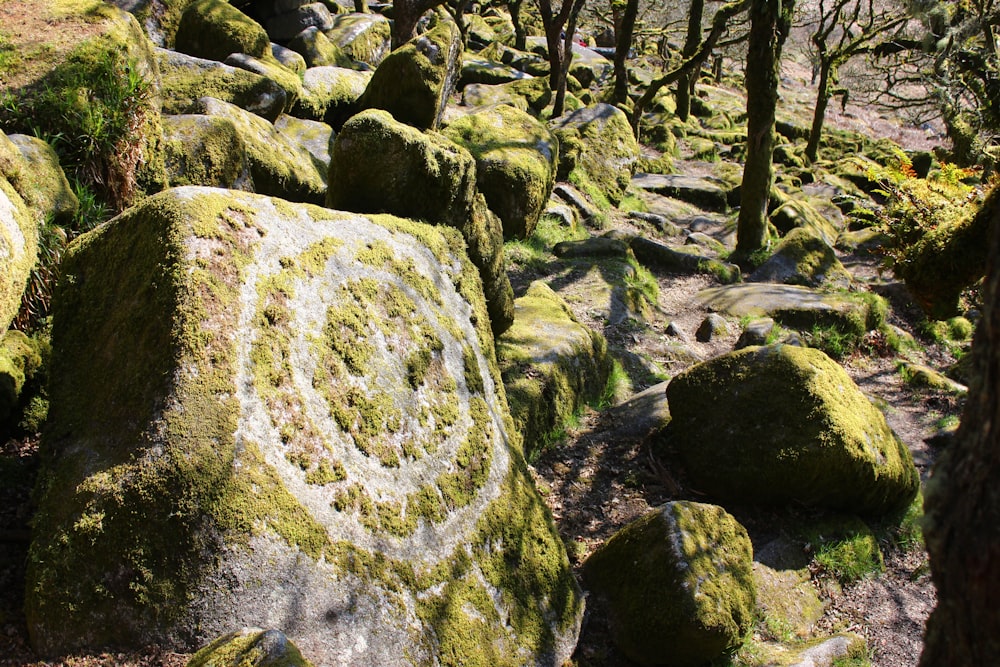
406, 14
963, 502
520, 38
623, 44
719, 21
769, 24
819, 114
685, 84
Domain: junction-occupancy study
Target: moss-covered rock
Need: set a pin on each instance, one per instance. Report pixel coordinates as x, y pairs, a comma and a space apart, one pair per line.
483, 70
516, 159
18, 250
95, 91
704, 192
205, 150
414, 82
802, 257
798, 307
159, 18
679, 584
381, 165
330, 94
362, 37
255, 401
312, 135
598, 150
781, 424
799, 213
270, 68
52, 196
589, 67
213, 29
20, 359
250, 647
185, 79
317, 50
290, 59
551, 365
294, 18
278, 166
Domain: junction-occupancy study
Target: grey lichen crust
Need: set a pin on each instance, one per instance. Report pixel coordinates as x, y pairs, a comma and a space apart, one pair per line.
303, 429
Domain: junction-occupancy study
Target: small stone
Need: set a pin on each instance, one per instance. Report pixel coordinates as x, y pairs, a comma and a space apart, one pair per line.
713, 326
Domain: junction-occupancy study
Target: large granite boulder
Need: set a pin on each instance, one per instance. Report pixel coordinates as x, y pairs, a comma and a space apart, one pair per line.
364, 38
159, 18
51, 194
185, 79
679, 584
802, 257
274, 414
205, 150
551, 365
414, 82
286, 25
796, 213
213, 29
381, 165
18, 231
317, 50
781, 424
270, 68
330, 94
516, 159
598, 150
279, 166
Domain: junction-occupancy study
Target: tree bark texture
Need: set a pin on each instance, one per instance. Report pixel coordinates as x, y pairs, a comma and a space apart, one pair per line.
406, 14
623, 44
962, 505
685, 85
769, 24
819, 113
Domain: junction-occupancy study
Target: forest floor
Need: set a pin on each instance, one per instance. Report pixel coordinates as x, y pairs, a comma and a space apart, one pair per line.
602, 474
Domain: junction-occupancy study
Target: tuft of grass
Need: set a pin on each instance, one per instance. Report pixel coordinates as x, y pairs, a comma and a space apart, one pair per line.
94, 114
617, 388
535, 252
845, 549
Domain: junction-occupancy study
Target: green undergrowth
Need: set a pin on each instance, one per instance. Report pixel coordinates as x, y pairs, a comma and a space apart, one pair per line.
535, 252
95, 112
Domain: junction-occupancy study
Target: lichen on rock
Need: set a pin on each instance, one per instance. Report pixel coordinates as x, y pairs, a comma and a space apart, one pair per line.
550, 363
294, 404
679, 584
415, 81
778, 424
516, 160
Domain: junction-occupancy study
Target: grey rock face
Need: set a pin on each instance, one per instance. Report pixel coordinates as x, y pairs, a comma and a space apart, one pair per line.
298, 424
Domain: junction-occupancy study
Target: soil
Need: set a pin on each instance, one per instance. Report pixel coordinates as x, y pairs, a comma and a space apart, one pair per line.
603, 474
